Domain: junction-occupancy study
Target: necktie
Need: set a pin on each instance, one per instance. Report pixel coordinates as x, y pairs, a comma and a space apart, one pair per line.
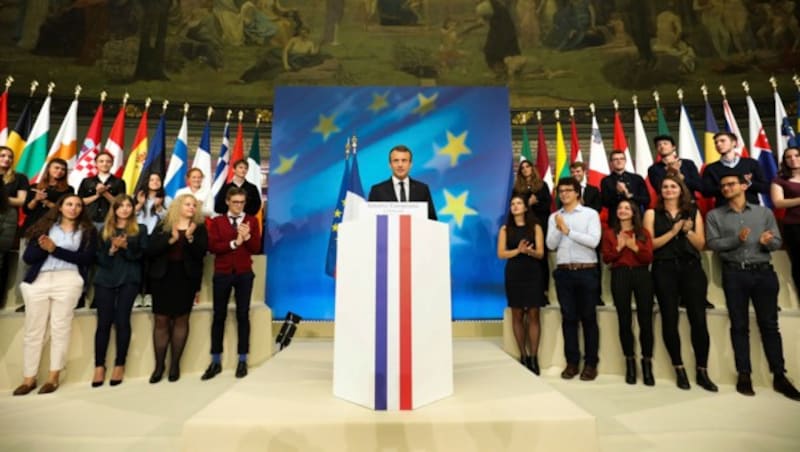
402, 192
235, 222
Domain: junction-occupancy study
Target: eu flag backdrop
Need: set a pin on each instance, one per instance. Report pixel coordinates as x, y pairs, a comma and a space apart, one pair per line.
461, 143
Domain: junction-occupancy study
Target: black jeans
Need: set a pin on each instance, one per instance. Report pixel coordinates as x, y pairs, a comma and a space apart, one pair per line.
577, 295
242, 284
685, 279
113, 308
627, 281
761, 286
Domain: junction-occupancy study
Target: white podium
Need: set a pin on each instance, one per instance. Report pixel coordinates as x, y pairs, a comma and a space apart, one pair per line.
393, 346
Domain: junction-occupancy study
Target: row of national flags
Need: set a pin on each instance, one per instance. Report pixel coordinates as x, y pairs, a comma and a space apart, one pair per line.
29, 139
756, 145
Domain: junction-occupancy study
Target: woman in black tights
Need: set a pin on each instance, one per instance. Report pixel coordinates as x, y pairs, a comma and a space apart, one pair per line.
176, 250
677, 230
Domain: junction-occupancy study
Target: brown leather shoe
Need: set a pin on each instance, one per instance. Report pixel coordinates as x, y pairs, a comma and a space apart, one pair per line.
589, 373
570, 371
48, 387
24, 389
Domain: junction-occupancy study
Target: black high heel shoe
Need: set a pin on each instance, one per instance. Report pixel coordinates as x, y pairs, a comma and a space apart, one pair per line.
533, 364
97, 384
647, 372
113, 382
704, 381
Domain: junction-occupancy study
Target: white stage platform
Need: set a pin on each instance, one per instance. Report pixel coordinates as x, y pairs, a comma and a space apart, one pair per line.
287, 404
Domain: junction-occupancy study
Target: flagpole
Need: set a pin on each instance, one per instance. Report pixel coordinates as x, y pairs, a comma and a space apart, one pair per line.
185, 108
228, 116
34, 85
78, 90
164, 106
704, 90
9, 82
209, 112
657, 97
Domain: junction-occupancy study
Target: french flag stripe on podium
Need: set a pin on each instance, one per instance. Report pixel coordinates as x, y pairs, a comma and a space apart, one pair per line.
393, 357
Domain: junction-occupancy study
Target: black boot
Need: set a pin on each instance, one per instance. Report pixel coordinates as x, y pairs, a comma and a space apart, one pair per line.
630, 371
533, 364
682, 379
704, 381
647, 372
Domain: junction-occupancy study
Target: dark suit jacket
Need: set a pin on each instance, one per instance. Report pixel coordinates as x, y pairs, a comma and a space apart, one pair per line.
636, 186
591, 198
418, 192
691, 176
252, 204
193, 253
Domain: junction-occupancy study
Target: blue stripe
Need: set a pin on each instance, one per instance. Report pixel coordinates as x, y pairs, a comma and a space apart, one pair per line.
381, 301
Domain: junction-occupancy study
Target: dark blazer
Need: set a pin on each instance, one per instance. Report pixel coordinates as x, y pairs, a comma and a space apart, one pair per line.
691, 176
99, 208
252, 204
591, 197
158, 248
636, 186
227, 260
714, 172
418, 192
84, 257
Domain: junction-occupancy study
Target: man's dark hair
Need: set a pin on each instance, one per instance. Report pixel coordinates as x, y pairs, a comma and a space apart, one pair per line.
732, 173
576, 164
730, 135
569, 182
235, 191
241, 162
617, 151
663, 137
401, 148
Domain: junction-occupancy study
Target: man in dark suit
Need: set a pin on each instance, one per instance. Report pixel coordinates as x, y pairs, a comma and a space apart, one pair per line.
400, 187
621, 184
590, 195
239, 180
665, 146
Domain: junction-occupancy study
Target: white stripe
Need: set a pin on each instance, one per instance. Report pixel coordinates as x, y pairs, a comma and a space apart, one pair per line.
393, 315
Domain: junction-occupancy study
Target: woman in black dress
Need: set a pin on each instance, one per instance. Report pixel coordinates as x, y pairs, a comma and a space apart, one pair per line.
521, 242
536, 194
176, 250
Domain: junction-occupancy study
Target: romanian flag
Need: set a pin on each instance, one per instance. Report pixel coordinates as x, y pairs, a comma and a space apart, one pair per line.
65, 145
562, 162
34, 153
133, 167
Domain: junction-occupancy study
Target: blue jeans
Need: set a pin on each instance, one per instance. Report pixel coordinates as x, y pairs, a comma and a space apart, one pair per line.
577, 295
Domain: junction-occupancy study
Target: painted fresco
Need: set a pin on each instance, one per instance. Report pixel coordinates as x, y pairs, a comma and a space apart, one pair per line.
548, 52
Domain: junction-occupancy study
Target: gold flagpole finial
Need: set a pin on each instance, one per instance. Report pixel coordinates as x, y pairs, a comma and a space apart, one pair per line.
615, 103
241, 115
34, 85
258, 120
704, 90
680, 94
723, 92
557, 114
77, 91
571, 112
209, 112
103, 96
228, 116
592, 108
538, 115
147, 103
164, 106
185, 108
9, 81
50, 87
635, 100
125, 98
746, 87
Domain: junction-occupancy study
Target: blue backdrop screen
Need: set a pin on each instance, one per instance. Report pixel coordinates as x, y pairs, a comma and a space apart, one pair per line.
461, 143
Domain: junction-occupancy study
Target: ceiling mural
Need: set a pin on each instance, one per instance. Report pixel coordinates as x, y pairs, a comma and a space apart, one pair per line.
548, 52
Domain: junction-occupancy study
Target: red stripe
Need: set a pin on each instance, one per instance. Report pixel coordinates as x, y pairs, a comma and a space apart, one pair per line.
405, 313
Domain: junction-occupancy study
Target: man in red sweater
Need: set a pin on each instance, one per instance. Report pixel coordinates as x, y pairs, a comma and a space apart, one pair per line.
233, 238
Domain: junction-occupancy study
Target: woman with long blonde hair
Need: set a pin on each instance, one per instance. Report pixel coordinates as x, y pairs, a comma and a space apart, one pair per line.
176, 249
116, 284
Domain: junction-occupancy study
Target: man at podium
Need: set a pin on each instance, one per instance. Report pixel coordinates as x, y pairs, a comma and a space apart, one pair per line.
400, 187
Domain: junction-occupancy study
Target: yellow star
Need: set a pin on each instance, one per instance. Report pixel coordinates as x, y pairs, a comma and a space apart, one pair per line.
326, 127
379, 102
426, 104
456, 206
337, 213
455, 147
285, 165
335, 227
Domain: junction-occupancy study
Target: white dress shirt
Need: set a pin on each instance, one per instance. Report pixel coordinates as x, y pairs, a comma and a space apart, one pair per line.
406, 187
584, 235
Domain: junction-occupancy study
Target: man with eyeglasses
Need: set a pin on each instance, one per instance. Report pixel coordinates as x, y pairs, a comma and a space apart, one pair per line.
686, 169
574, 232
621, 184
729, 160
233, 238
744, 234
